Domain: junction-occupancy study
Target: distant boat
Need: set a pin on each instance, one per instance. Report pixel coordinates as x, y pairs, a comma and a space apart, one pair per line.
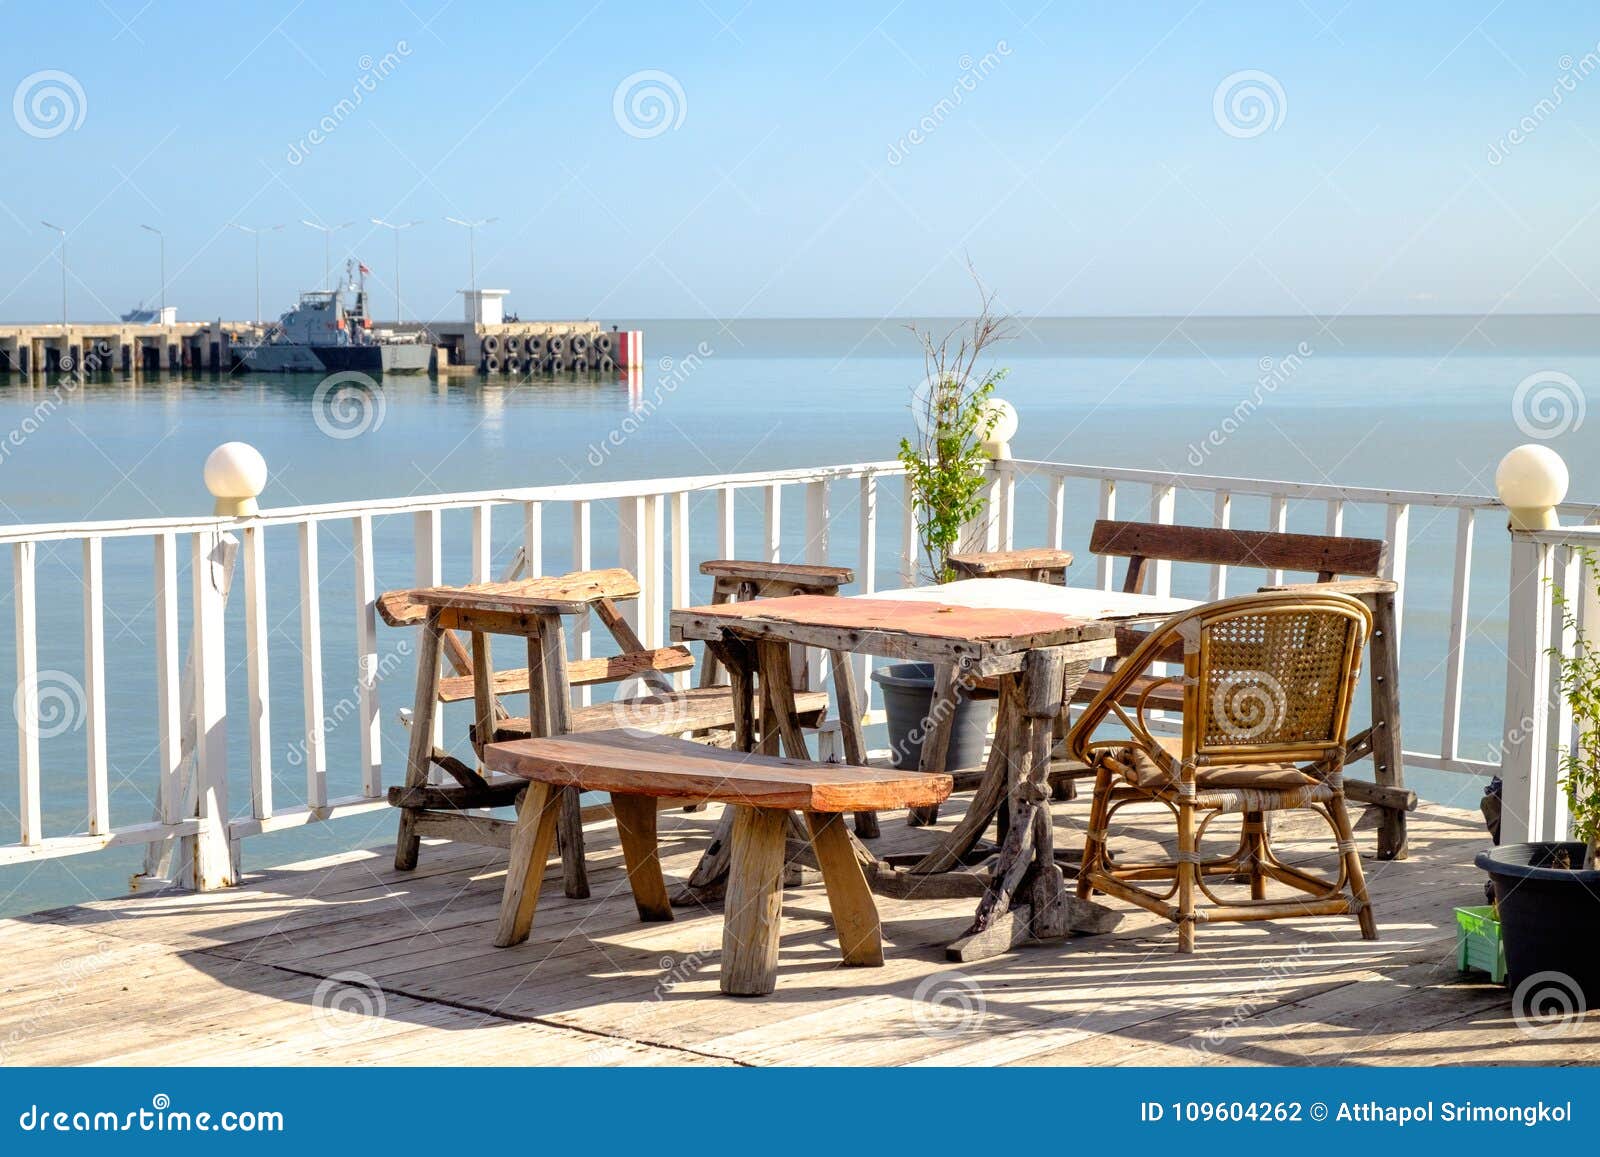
166, 315
319, 335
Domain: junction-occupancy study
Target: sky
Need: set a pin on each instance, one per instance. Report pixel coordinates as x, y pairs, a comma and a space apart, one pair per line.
745, 160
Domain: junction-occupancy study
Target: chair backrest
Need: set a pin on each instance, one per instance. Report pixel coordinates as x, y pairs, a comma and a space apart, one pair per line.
1326, 556
1268, 677
1272, 675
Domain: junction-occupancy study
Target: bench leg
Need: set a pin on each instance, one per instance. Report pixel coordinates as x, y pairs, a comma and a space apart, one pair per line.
855, 915
755, 902
636, 826
407, 843
569, 826
531, 843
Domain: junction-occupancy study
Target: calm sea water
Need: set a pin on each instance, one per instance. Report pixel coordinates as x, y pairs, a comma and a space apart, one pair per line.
1423, 403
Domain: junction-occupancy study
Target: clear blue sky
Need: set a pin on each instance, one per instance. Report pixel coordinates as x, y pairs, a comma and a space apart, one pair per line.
1086, 172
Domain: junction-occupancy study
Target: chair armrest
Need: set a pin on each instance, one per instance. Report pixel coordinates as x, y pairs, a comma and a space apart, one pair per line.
1355, 586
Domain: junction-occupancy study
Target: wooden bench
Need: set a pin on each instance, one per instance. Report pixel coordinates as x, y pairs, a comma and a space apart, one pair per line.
1352, 566
762, 790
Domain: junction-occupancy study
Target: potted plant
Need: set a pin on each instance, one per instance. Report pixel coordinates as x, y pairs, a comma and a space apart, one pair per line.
1547, 894
945, 466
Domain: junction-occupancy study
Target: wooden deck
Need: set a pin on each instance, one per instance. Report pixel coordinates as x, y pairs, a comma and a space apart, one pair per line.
346, 961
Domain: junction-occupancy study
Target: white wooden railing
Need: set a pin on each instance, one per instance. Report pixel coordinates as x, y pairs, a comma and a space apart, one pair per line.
224, 680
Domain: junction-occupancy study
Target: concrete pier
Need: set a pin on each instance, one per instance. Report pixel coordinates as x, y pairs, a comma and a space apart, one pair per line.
120, 347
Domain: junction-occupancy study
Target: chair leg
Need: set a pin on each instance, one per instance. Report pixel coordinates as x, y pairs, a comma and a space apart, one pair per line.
1352, 863
636, 828
754, 906
855, 915
1254, 841
1094, 843
1188, 868
530, 852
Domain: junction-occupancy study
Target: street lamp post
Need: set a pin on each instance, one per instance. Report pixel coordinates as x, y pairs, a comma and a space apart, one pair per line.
327, 232
399, 307
63, 233
256, 233
472, 243
163, 239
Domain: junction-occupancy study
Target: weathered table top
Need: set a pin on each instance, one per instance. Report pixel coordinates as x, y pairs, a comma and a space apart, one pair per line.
1085, 603
988, 638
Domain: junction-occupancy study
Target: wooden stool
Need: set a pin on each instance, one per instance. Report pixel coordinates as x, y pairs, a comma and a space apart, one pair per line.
762, 790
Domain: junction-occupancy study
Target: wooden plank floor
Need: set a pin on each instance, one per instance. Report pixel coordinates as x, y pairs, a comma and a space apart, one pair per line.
344, 960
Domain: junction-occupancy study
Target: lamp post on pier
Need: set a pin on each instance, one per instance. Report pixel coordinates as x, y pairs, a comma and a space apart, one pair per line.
472, 243
327, 232
162, 237
399, 307
256, 233
63, 233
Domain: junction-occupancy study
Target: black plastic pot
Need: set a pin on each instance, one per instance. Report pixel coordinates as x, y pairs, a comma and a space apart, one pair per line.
1549, 917
908, 701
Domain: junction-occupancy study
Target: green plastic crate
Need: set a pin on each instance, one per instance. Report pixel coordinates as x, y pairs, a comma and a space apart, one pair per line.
1478, 944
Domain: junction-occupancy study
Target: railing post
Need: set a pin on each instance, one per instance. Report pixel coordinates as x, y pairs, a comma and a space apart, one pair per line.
991, 528
1531, 481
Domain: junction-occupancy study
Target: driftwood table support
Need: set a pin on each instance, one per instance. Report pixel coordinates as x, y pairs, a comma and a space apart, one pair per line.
853, 741
1036, 659
936, 733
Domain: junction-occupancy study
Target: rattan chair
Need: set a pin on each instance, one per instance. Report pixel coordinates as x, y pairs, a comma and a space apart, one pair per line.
1267, 682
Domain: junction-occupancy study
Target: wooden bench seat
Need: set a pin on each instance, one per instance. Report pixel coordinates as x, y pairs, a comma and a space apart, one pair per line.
664, 713
762, 789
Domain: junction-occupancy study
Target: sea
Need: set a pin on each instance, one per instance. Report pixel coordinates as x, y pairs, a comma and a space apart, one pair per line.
1417, 403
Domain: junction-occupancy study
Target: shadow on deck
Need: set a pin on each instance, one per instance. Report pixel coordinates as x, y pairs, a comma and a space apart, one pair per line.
344, 960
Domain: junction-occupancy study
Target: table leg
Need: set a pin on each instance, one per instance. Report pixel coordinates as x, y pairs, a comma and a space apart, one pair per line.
407, 842
1026, 898
936, 735
850, 735
547, 667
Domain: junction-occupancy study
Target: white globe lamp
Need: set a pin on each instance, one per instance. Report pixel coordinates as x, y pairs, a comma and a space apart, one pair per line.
236, 474
1004, 428
1532, 482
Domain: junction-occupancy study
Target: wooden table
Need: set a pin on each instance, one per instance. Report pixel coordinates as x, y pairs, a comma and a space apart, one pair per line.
1038, 657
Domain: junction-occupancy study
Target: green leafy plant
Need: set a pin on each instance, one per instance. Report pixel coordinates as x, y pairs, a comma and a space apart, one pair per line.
1579, 673
945, 461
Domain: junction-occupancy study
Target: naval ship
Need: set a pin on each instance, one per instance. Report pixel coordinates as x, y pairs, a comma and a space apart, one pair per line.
319, 335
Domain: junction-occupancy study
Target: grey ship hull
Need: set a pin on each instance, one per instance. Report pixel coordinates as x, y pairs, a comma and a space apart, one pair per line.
381, 358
